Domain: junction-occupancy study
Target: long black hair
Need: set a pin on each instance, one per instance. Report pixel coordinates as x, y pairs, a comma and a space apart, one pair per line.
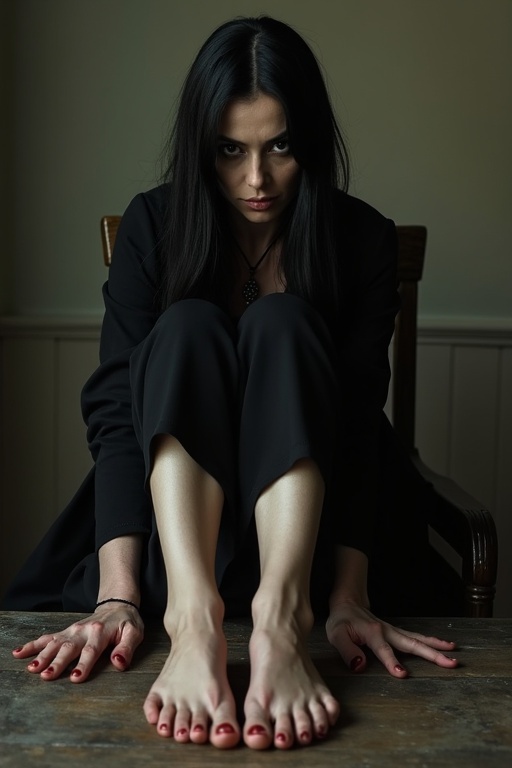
240, 59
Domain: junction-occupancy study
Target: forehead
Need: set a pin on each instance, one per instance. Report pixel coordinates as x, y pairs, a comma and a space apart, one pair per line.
248, 119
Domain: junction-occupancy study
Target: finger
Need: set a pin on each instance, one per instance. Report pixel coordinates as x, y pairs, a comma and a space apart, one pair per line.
416, 646
351, 653
384, 652
433, 642
62, 658
122, 654
90, 654
33, 647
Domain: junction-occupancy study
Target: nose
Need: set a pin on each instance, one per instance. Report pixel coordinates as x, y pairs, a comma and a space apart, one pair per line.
256, 172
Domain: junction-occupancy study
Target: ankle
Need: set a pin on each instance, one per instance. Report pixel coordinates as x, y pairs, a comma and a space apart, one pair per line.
205, 615
278, 609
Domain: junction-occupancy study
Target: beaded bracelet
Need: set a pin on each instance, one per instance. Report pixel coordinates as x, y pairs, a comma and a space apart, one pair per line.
118, 600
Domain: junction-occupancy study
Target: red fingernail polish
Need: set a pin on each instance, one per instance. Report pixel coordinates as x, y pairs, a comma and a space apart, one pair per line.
49, 669
34, 663
17, 650
198, 729
120, 659
181, 732
356, 662
399, 668
256, 730
76, 673
280, 737
225, 728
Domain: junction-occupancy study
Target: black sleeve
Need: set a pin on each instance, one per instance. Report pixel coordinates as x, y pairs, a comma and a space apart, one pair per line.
121, 504
365, 375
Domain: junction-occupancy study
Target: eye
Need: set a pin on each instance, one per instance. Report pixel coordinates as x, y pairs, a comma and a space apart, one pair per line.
230, 150
281, 147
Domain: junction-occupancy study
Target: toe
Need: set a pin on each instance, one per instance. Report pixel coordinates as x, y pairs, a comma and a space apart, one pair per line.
283, 730
258, 733
199, 728
165, 725
182, 725
224, 732
303, 727
319, 719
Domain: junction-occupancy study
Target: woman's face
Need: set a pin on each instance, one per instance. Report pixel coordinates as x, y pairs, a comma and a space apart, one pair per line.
257, 173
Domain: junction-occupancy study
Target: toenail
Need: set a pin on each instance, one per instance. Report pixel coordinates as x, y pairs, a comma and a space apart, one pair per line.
120, 659
304, 736
256, 730
225, 728
321, 732
164, 727
280, 737
181, 732
198, 729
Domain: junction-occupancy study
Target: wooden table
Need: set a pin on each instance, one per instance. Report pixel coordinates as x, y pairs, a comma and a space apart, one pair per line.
436, 717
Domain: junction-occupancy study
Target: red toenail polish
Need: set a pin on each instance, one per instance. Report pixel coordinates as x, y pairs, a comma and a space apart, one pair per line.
120, 659
280, 737
304, 736
256, 730
225, 728
198, 729
34, 663
76, 673
181, 732
321, 733
356, 662
164, 727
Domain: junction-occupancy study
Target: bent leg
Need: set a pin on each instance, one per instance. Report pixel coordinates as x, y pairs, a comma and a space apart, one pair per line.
192, 690
287, 701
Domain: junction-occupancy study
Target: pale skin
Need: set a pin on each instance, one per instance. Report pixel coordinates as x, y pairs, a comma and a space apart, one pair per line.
287, 702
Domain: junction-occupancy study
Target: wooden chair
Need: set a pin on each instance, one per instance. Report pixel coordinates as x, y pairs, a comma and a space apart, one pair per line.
460, 520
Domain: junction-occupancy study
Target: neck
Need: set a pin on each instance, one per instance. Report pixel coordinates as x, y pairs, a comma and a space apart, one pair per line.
253, 239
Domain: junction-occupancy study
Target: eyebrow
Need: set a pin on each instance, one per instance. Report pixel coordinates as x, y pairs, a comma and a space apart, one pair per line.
273, 140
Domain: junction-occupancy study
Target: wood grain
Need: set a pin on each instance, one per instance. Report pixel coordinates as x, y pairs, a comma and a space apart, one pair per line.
437, 717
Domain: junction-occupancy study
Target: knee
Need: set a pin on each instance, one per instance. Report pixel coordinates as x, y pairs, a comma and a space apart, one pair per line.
281, 314
191, 318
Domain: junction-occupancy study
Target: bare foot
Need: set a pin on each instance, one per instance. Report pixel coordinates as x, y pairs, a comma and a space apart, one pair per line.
191, 699
287, 702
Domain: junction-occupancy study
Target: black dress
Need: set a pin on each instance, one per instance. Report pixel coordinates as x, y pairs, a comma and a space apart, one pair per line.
247, 399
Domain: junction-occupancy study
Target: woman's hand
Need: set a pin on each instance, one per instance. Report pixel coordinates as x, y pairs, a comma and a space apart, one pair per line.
114, 624
351, 625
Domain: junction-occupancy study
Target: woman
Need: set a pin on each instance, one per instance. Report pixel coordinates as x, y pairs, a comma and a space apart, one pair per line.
236, 415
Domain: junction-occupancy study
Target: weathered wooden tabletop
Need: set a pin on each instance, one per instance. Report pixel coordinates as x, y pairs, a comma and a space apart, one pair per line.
436, 717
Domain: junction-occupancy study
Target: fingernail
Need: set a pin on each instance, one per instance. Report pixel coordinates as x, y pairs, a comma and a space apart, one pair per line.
17, 650
356, 662
49, 669
256, 730
399, 668
76, 673
225, 728
34, 663
120, 659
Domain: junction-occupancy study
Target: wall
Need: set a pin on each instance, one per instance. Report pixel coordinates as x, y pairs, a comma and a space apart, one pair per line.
422, 88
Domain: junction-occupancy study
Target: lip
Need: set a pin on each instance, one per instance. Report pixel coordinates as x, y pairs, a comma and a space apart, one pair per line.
260, 203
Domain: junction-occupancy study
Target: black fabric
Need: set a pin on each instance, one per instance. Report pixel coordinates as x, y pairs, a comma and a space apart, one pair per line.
115, 501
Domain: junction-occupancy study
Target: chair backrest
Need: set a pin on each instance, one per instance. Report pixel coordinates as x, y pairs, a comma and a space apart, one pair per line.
411, 255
